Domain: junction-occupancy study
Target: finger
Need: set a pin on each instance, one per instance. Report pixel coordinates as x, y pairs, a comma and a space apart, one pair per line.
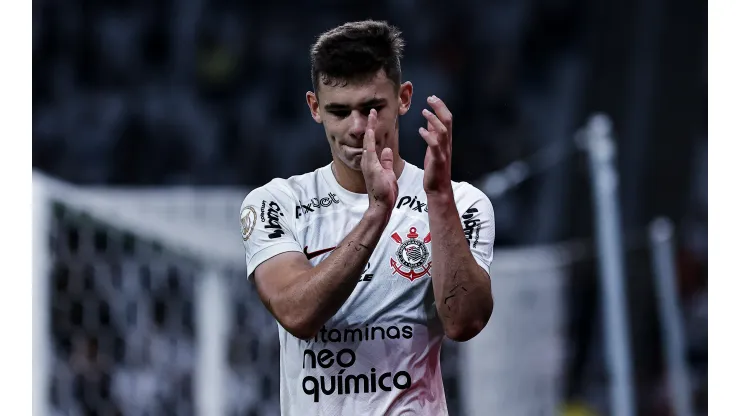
428, 137
435, 122
432, 141
441, 110
386, 158
368, 144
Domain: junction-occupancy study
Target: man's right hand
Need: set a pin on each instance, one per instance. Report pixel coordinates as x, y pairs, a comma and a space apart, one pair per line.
380, 179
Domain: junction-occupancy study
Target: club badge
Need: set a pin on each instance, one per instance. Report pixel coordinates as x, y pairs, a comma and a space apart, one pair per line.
411, 255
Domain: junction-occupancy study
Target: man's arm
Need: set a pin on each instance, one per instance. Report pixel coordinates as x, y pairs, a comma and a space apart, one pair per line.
302, 297
462, 289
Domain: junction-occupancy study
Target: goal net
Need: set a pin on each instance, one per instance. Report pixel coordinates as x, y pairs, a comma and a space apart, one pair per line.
142, 306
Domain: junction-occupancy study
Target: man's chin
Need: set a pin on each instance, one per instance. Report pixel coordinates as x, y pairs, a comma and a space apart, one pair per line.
353, 160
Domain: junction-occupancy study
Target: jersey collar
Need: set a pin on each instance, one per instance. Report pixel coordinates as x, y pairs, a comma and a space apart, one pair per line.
354, 198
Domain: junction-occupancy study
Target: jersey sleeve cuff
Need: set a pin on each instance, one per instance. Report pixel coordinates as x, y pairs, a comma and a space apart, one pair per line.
485, 265
268, 253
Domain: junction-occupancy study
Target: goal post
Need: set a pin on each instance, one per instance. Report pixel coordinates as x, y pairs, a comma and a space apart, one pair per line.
40, 257
75, 231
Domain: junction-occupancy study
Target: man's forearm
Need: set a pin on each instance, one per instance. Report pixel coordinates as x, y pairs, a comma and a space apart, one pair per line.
322, 290
462, 289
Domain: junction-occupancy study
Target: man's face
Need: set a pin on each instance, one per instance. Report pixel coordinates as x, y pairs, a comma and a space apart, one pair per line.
344, 109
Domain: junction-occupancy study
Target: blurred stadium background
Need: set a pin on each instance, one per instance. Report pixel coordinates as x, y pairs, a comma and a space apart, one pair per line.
153, 119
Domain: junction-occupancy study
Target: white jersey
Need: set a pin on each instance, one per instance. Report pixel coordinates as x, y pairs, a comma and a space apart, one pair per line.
379, 354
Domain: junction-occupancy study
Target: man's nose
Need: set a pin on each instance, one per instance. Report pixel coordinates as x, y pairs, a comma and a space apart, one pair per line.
359, 123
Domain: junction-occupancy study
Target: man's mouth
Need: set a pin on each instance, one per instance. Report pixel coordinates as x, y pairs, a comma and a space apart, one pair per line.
353, 148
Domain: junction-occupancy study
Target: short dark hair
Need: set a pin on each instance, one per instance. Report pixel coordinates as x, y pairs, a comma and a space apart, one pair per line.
355, 52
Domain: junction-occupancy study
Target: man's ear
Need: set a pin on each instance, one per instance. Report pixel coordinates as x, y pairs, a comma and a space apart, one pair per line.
313, 105
405, 91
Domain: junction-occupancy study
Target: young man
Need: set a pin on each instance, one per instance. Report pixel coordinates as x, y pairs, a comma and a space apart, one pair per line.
368, 262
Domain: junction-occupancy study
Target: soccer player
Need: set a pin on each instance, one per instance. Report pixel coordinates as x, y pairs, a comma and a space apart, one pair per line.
368, 262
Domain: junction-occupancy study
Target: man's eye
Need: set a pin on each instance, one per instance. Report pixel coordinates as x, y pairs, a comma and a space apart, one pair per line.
366, 111
340, 113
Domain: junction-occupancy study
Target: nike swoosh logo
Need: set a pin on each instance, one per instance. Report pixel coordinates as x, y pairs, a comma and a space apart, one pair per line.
317, 252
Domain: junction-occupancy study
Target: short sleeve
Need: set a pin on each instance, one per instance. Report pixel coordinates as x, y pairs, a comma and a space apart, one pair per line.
266, 226
479, 225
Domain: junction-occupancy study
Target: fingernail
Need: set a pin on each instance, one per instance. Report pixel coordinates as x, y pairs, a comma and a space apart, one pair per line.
425, 111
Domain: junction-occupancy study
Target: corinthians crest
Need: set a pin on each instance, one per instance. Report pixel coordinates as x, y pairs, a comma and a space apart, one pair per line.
412, 255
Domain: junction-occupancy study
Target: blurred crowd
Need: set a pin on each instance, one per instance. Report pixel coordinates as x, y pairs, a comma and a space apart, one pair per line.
212, 91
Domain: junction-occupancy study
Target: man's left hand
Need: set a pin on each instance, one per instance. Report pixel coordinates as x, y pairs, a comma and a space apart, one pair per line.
438, 159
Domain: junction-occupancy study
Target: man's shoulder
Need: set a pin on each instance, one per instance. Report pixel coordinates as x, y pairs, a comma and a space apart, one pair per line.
289, 188
468, 197
466, 190
296, 183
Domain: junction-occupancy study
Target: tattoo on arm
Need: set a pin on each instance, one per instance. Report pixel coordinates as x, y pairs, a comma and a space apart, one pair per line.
453, 292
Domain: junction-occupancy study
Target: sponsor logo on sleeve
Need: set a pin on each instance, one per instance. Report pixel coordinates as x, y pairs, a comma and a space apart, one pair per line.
471, 226
247, 218
273, 219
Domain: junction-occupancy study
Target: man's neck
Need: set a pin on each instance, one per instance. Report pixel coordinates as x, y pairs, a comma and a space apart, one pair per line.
353, 181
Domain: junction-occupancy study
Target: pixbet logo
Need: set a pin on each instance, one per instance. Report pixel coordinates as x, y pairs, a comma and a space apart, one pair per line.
413, 204
314, 204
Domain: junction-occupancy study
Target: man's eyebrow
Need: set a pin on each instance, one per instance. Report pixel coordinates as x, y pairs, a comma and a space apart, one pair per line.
373, 102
